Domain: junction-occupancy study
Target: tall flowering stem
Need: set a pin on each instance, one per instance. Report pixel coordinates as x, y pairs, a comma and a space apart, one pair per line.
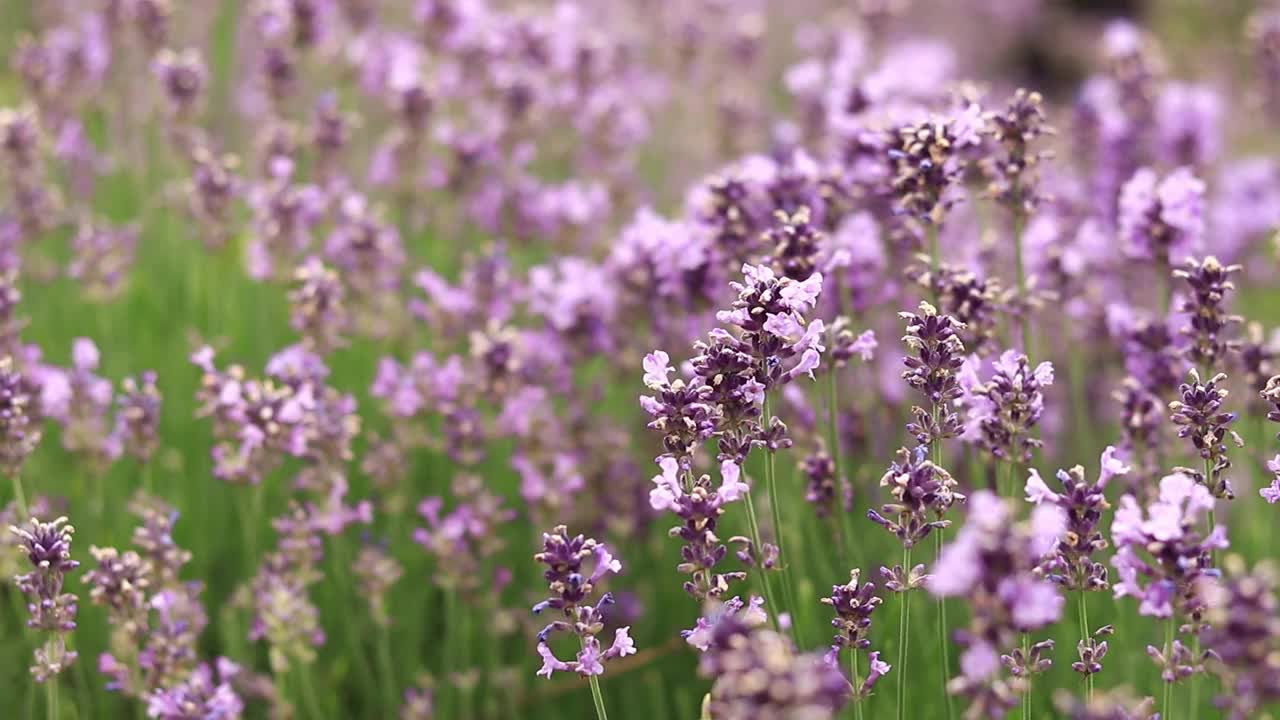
993, 562
1005, 410
759, 673
571, 588
770, 344
1165, 561
922, 493
853, 604
1071, 563
1013, 176
936, 355
47, 546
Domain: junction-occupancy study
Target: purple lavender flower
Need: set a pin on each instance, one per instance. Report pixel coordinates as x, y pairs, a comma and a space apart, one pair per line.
419, 704
794, 244
1244, 638
853, 604
19, 435
1162, 558
1006, 409
928, 164
284, 615
211, 194
198, 697
819, 471
922, 494
101, 259
182, 76
318, 306
774, 346
699, 507
120, 582
1071, 562
1188, 124
137, 422
1162, 219
47, 546
993, 562
377, 570
34, 199
1271, 493
680, 410
564, 557
932, 367
1114, 704
1208, 321
1198, 416
1013, 172
465, 539
758, 673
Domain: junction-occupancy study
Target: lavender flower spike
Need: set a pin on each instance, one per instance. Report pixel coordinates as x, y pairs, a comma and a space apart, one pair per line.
47, 546
571, 589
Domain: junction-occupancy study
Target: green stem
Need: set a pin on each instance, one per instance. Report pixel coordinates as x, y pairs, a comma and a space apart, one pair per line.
775, 509
944, 632
51, 698
387, 672
1083, 607
1024, 319
935, 451
1026, 660
1168, 686
935, 264
833, 439
19, 495
596, 695
903, 627
853, 669
754, 525
1195, 679
308, 692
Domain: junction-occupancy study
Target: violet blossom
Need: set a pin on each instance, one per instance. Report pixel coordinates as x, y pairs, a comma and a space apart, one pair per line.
571, 589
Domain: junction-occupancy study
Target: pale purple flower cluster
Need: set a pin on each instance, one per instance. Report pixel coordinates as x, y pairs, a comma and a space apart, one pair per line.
933, 366
1209, 325
156, 617
1162, 219
318, 309
283, 613
1162, 557
571, 589
853, 604
464, 540
1013, 171
47, 546
202, 696
994, 562
137, 420
1198, 416
759, 674
290, 413
922, 494
1004, 411
699, 507
1071, 563
19, 433
1244, 638
928, 161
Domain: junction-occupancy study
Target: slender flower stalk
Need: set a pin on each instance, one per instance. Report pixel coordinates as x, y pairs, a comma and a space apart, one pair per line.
47, 546
1014, 177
